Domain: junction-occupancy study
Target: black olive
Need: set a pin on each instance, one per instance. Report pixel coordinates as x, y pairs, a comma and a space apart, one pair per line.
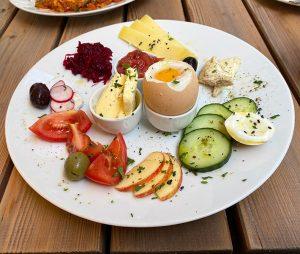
39, 95
191, 61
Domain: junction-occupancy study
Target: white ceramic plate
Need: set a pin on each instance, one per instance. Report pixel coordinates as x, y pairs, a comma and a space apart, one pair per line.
41, 163
290, 2
29, 6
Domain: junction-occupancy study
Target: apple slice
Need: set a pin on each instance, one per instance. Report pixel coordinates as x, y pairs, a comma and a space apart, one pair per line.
172, 184
143, 172
149, 186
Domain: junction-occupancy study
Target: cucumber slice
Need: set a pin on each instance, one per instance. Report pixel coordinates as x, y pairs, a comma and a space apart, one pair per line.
241, 104
215, 108
204, 150
207, 121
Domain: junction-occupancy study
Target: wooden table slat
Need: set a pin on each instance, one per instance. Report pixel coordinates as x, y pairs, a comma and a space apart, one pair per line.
7, 12
30, 224
280, 26
207, 235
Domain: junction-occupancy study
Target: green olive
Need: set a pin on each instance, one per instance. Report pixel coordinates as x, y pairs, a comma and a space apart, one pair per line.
76, 165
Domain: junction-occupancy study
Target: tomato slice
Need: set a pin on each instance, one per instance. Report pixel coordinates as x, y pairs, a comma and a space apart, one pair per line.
105, 169
80, 142
102, 170
119, 150
93, 150
55, 127
77, 141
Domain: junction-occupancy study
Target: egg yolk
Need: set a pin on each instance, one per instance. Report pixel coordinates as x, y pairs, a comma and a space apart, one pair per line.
167, 75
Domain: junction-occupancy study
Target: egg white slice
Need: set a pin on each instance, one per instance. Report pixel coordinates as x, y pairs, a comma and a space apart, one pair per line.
249, 128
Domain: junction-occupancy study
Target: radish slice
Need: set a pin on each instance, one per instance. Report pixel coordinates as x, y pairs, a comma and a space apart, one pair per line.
61, 93
78, 101
61, 106
59, 83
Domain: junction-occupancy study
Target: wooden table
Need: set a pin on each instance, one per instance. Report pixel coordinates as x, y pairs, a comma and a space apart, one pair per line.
266, 221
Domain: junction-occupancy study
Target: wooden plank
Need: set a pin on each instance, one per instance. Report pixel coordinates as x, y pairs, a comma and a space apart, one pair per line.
77, 235
157, 9
269, 218
17, 56
31, 224
7, 12
202, 236
77, 26
279, 24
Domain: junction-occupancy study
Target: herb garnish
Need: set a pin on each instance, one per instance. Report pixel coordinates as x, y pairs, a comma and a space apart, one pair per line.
125, 66
206, 177
223, 175
167, 133
121, 172
140, 169
138, 187
130, 161
274, 116
175, 82
204, 182
42, 116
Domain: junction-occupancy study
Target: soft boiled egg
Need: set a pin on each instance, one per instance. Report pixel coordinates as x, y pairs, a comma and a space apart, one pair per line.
170, 87
249, 128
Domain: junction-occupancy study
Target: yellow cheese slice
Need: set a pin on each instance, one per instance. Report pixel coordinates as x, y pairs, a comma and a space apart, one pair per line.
159, 48
110, 103
156, 32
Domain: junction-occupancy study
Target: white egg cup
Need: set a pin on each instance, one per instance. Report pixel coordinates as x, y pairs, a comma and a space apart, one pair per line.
170, 123
116, 125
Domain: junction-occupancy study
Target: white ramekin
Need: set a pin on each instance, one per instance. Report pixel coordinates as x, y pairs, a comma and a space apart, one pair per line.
115, 125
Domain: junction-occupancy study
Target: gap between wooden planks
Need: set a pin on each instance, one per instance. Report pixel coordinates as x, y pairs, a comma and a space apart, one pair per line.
269, 218
202, 236
7, 12
28, 222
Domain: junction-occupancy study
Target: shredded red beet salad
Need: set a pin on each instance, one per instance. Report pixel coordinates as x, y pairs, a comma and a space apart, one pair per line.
92, 61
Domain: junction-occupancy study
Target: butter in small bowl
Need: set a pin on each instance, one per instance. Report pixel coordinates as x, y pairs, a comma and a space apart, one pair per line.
117, 107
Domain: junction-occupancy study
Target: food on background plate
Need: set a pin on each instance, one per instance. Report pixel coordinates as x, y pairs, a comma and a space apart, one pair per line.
159, 173
249, 128
119, 97
146, 35
55, 127
39, 95
92, 61
73, 5
219, 73
136, 59
170, 87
